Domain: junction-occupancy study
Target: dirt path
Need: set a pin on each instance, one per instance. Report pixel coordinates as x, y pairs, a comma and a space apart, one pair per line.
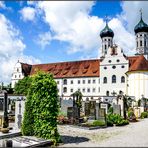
132, 135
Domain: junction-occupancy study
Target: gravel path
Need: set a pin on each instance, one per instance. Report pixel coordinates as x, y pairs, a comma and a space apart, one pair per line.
132, 135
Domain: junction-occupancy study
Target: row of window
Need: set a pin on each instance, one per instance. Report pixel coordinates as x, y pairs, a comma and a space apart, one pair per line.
114, 67
140, 44
88, 90
114, 79
109, 61
78, 82
16, 76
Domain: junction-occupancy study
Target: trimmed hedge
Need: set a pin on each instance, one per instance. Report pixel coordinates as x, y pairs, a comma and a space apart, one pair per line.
42, 108
144, 115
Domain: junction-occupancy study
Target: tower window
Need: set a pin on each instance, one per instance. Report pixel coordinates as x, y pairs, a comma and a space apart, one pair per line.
113, 79
118, 60
144, 42
105, 67
107, 93
105, 47
140, 43
105, 80
122, 79
114, 67
108, 39
137, 44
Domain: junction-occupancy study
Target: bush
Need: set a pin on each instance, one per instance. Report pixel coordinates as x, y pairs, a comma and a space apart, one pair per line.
116, 119
42, 108
131, 116
110, 110
98, 123
144, 115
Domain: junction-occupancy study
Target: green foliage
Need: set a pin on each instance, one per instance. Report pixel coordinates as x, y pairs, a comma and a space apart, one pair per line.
28, 120
110, 110
144, 115
116, 119
43, 107
78, 96
22, 87
98, 123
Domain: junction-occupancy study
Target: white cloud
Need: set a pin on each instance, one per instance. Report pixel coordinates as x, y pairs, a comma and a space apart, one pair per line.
131, 14
44, 39
11, 49
28, 13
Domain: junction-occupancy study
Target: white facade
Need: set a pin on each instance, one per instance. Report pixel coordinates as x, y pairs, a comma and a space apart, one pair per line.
113, 69
17, 74
138, 84
89, 86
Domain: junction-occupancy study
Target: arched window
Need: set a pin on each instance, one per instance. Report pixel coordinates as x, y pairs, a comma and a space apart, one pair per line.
105, 80
140, 43
105, 47
113, 79
107, 93
65, 89
122, 79
65, 82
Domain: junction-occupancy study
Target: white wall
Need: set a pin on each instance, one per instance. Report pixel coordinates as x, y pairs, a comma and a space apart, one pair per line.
138, 84
93, 86
109, 72
17, 74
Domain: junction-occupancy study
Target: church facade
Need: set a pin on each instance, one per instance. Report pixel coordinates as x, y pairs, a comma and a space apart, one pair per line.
101, 78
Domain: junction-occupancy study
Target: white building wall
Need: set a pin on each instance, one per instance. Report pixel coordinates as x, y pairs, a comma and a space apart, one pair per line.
121, 64
138, 84
91, 87
17, 74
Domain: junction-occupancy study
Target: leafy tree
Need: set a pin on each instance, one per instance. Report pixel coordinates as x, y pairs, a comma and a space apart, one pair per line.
42, 108
22, 87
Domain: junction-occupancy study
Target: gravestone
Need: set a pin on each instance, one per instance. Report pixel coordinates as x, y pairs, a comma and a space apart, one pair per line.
97, 111
87, 108
105, 106
19, 112
117, 109
92, 106
65, 104
102, 114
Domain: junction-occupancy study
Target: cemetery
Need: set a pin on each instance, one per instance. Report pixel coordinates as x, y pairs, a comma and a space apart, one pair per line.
16, 125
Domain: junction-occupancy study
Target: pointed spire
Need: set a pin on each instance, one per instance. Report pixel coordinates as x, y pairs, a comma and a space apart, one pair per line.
140, 13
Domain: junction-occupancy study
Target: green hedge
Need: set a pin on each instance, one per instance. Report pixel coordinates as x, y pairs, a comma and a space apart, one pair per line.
144, 115
42, 108
116, 119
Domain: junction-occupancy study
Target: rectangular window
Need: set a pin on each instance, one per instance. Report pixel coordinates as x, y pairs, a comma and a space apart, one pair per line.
78, 89
94, 90
83, 90
89, 81
88, 89
94, 81
78, 81
99, 89
71, 81
83, 81
71, 90
57, 82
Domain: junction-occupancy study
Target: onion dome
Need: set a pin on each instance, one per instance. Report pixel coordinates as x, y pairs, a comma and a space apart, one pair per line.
141, 26
106, 32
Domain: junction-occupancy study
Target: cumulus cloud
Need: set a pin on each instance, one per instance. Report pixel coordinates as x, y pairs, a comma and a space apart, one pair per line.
11, 49
44, 39
28, 13
130, 13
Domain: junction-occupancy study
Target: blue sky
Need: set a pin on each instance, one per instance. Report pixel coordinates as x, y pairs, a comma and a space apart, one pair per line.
45, 32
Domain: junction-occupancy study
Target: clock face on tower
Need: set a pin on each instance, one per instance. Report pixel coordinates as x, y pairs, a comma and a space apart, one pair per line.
141, 51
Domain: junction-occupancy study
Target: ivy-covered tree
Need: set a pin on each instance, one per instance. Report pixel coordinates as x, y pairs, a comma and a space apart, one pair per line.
22, 86
41, 108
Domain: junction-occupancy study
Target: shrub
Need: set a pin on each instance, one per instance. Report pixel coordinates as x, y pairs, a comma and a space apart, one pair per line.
42, 107
144, 115
110, 110
131, 116
116, 119
98, 123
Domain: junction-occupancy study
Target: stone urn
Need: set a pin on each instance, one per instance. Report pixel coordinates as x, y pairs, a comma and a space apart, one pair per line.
4, 130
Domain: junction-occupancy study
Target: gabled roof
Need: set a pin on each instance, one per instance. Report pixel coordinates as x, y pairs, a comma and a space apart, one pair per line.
138, 63
26, 68
87, 68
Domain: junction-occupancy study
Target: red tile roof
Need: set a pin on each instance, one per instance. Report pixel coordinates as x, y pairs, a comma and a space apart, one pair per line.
138, 63
86, 68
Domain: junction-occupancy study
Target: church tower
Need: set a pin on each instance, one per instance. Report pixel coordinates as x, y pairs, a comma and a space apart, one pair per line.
141, 32
107, 39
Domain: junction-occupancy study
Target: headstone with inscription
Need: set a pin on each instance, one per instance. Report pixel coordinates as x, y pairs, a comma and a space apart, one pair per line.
92, 105
105, 106
116, 109
87, 108
102, 114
